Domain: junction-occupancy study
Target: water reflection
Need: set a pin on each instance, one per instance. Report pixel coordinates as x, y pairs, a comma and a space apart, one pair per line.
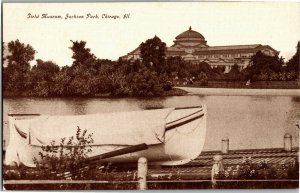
77, 105
296, 99
248, 121
260, 98
16, 106
151, 103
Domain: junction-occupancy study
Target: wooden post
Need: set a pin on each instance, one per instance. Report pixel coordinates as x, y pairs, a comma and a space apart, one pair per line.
225, 145
216, 169
88, 186
288, 142
142, 173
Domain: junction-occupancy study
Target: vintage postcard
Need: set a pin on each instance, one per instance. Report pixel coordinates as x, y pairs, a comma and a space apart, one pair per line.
151, 95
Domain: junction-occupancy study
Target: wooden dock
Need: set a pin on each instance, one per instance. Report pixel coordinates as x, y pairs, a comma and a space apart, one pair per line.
197, 174
200, 168
194, 175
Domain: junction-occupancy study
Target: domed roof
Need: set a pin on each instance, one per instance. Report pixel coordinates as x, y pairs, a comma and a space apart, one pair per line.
190, 34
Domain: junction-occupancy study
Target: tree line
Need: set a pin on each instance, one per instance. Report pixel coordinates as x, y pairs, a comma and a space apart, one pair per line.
153, 75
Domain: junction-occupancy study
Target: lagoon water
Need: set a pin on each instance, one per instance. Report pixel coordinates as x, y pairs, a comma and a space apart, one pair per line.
248, 121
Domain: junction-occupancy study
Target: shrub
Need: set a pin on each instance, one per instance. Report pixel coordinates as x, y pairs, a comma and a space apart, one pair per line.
203, 80
262, 170
65, 158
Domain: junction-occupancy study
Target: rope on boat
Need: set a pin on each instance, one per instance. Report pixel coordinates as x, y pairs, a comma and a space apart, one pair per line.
183, 122
184, 117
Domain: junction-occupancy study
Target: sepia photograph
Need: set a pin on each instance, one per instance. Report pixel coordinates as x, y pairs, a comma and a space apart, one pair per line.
150, 95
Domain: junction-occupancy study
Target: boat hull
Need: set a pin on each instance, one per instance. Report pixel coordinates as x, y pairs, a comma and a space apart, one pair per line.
182, 144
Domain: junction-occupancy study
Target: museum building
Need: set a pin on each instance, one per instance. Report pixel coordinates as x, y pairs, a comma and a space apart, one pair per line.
192, 46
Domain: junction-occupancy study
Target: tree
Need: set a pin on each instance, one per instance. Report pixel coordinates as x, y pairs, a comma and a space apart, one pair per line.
83, 71
146, 78
117, 80
218, 72
144, 82
80, 81
293, 65
17, 71
196, 69
205, 67
62, 81
264, 63
82, 55
176, 67
153, 54
203, 80
42, 78
234, 73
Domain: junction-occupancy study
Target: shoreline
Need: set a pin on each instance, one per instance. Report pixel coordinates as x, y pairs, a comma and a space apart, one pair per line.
240, 91
185, 91
173, 92
242, 84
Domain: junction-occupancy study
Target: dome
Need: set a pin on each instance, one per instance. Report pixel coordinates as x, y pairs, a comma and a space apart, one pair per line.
190, 34
190, 38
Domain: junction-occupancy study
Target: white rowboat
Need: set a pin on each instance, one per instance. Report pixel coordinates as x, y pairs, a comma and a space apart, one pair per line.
173, 136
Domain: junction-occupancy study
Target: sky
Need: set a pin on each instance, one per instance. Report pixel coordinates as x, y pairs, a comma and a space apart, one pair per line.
221, 23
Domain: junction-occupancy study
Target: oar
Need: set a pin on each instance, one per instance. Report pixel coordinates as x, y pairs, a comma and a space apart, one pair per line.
23, 114
176, 108
126, 150
91, 162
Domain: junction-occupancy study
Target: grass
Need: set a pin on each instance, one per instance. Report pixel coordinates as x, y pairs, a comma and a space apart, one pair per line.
175, 92
253, 85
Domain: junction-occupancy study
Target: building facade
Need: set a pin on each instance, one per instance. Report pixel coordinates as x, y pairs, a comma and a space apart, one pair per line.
192, 46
